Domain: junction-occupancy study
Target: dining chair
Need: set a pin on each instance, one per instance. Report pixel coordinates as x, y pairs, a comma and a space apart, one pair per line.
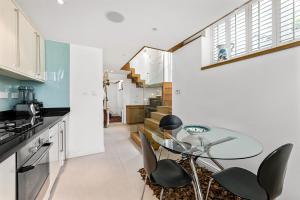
266, 185
165, 173
169, 123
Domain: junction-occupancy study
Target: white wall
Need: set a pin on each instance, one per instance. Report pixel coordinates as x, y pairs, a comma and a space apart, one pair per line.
258, 97
86, 117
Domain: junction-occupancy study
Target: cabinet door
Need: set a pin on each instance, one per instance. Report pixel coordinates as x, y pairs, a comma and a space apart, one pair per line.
54, 154
8, 34
8, 179
62, 142
28, 47
42, 61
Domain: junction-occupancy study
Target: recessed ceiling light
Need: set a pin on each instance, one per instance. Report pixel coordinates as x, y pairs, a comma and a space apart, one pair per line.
61, 2
115, 17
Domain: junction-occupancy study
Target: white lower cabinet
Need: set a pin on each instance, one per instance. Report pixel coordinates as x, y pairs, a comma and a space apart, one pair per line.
57, 153
8, 178
54, 154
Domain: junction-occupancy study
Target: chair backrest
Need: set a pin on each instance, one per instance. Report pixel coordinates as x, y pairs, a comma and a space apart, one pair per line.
271, 172
170, 122
149, 157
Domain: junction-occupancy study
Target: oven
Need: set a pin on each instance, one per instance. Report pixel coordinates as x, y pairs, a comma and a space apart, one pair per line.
33, 167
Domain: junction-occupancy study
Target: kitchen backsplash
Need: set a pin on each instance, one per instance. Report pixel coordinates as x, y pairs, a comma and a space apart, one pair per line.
55, 92
8, 92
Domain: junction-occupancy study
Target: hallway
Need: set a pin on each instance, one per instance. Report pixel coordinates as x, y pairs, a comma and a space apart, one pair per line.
107, 176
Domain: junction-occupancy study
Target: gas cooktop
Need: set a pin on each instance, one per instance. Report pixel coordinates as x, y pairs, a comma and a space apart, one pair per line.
13, 128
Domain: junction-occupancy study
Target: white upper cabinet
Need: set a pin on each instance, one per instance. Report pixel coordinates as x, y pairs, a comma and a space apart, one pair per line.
22, 49
8, 34
28, 47
41, 67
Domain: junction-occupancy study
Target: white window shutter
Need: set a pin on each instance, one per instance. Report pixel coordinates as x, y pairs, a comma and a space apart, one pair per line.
219, 38
261, 24
238, 33
289, 20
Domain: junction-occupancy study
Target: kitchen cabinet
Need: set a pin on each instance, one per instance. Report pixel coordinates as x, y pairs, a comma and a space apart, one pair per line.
22, 50
41, 58
8, 178
28, 47
8, 34
135, 114
62, 141
54, 153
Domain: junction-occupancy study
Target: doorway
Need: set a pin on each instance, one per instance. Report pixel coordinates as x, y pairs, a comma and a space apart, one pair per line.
115, 100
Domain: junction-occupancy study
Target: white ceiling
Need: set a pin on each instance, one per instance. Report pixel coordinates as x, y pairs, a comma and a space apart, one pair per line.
84, 22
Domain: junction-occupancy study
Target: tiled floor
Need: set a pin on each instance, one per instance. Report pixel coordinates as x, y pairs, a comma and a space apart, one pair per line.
107, 176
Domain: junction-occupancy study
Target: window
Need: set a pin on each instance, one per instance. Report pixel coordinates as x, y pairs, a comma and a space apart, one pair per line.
258, 25
238, 33
219, 38
289, 20
261, 24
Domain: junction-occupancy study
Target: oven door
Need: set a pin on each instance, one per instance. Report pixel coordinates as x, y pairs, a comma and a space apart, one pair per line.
33, 174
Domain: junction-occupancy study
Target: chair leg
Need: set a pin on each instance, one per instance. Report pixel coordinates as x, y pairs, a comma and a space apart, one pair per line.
161, 193
144, 188
195, 190
160, 150
208, 188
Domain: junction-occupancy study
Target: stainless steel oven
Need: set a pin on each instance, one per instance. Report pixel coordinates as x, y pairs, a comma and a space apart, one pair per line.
33, 167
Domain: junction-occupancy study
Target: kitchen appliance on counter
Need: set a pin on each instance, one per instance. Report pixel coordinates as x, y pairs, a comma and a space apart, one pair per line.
33, 167
29, 105
13, 128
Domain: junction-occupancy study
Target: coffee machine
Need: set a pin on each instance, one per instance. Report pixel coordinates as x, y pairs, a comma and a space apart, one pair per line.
29, 105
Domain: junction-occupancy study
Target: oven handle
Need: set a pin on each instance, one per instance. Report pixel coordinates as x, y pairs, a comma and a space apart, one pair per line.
32, 166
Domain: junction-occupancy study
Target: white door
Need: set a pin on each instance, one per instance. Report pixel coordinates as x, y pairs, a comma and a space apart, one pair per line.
8, 178
8, 34
28, 47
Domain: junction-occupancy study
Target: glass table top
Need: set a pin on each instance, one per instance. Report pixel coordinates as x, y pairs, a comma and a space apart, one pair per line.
209, 142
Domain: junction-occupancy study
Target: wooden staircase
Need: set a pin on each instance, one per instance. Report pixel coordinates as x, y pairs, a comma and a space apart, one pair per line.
151, 125
136, 78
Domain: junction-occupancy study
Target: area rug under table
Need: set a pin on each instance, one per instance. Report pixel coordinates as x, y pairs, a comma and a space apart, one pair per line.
187, 193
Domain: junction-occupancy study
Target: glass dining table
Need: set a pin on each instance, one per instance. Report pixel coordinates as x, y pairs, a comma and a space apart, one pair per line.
204, 142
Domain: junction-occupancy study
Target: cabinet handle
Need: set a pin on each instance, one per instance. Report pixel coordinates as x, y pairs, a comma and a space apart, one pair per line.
62, 141
18, 36
36, 53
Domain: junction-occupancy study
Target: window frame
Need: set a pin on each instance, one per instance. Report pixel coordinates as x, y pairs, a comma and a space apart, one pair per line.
276, 26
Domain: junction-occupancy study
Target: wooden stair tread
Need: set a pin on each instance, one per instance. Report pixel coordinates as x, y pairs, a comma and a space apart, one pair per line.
164, 109
157, 115
136, 138
152, 120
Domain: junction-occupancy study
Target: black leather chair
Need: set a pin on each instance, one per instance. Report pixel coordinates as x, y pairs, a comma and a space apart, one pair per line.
266, 185
170, 122
166, 173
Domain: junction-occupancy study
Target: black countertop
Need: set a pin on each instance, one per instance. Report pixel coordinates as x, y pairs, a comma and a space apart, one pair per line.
49, 119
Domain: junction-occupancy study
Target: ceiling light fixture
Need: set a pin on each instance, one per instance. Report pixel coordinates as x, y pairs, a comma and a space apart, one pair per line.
61, 2
115, 17
154, 29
